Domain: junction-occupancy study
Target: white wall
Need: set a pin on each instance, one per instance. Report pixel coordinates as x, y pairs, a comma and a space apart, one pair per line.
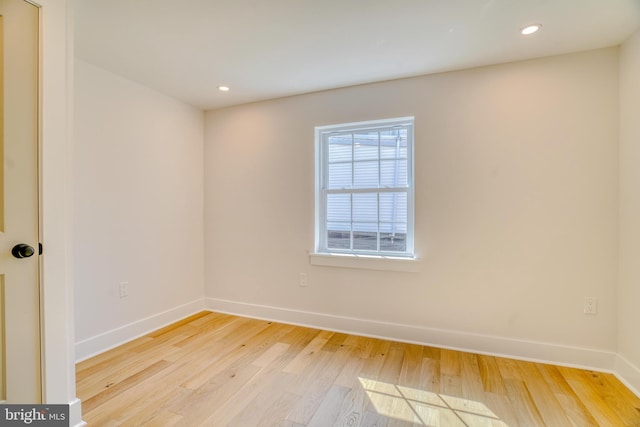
516, 204
629, 281
138, 208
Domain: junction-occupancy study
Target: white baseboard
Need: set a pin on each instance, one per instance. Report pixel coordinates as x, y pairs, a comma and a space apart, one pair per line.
75, 414
100, 343
557, 354
628, 373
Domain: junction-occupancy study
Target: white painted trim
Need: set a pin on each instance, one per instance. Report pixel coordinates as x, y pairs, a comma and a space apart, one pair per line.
100, 343
628, 374
75, 414
322, 133
557, 354
58, 369
367, 262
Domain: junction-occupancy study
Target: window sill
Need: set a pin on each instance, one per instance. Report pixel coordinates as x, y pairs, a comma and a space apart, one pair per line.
366, 262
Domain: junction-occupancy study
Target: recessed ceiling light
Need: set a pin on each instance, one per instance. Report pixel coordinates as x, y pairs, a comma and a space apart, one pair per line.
223, 88
530, 29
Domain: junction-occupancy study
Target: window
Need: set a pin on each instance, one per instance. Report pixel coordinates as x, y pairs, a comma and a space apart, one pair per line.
364, 188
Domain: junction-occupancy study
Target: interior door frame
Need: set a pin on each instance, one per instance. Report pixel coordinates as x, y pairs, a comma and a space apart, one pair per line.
56, 202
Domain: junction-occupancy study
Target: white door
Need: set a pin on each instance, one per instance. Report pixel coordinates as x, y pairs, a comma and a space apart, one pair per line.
20, 380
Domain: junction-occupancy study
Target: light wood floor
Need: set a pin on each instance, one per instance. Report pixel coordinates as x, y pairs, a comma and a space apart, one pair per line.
215, 370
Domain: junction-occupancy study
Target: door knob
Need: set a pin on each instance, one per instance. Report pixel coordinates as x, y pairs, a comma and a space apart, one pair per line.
22, 251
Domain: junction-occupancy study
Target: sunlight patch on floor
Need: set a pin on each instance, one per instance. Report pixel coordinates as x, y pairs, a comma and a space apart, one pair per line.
427, 408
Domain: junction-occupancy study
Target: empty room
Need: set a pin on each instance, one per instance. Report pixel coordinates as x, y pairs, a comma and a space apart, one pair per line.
340, 213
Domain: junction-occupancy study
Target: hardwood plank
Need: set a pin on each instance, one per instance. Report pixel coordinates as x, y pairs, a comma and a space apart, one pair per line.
361, 346
353, 407
470, 404
100, 369
259, 395
374, 360
584, 388
490, 375
277, 412
348, 376
390, 402
450, 362
254, 400
614, 394
118, 388
524, 407
451, 385
177, 325
393, 362
472, 387
163, 341
161, 419
232, 349
336, 342
125, 367
372, 418
431, 352
271, 354
438, 416
208, 332
140, 400
217, 369
575, 411
316, 385
501, 409
309, 354
508, 369
256, 397
450, 373
411, 369
543, 397
430, 375
287, 423
196, 407
572, 406
329, 410
97, 363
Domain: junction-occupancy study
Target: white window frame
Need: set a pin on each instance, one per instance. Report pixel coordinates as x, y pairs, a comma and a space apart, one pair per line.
322, 134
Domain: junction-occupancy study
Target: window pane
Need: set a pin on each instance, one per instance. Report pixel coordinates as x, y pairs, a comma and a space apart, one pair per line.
365, 236
365, 174
340, 148
365, 207
393, 242
393, 227
340, 175
365, 191
394, 153
403, 144
339, 207
393, 173
393, 144
365, 146
338, 235
393, 207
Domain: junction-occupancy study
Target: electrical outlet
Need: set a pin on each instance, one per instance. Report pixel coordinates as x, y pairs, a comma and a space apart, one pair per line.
124, 289
302, 279
590, 305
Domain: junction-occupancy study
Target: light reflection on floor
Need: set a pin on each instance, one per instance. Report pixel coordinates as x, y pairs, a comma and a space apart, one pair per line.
427, 408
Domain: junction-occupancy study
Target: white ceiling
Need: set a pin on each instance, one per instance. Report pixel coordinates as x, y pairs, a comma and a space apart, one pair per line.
266, 49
